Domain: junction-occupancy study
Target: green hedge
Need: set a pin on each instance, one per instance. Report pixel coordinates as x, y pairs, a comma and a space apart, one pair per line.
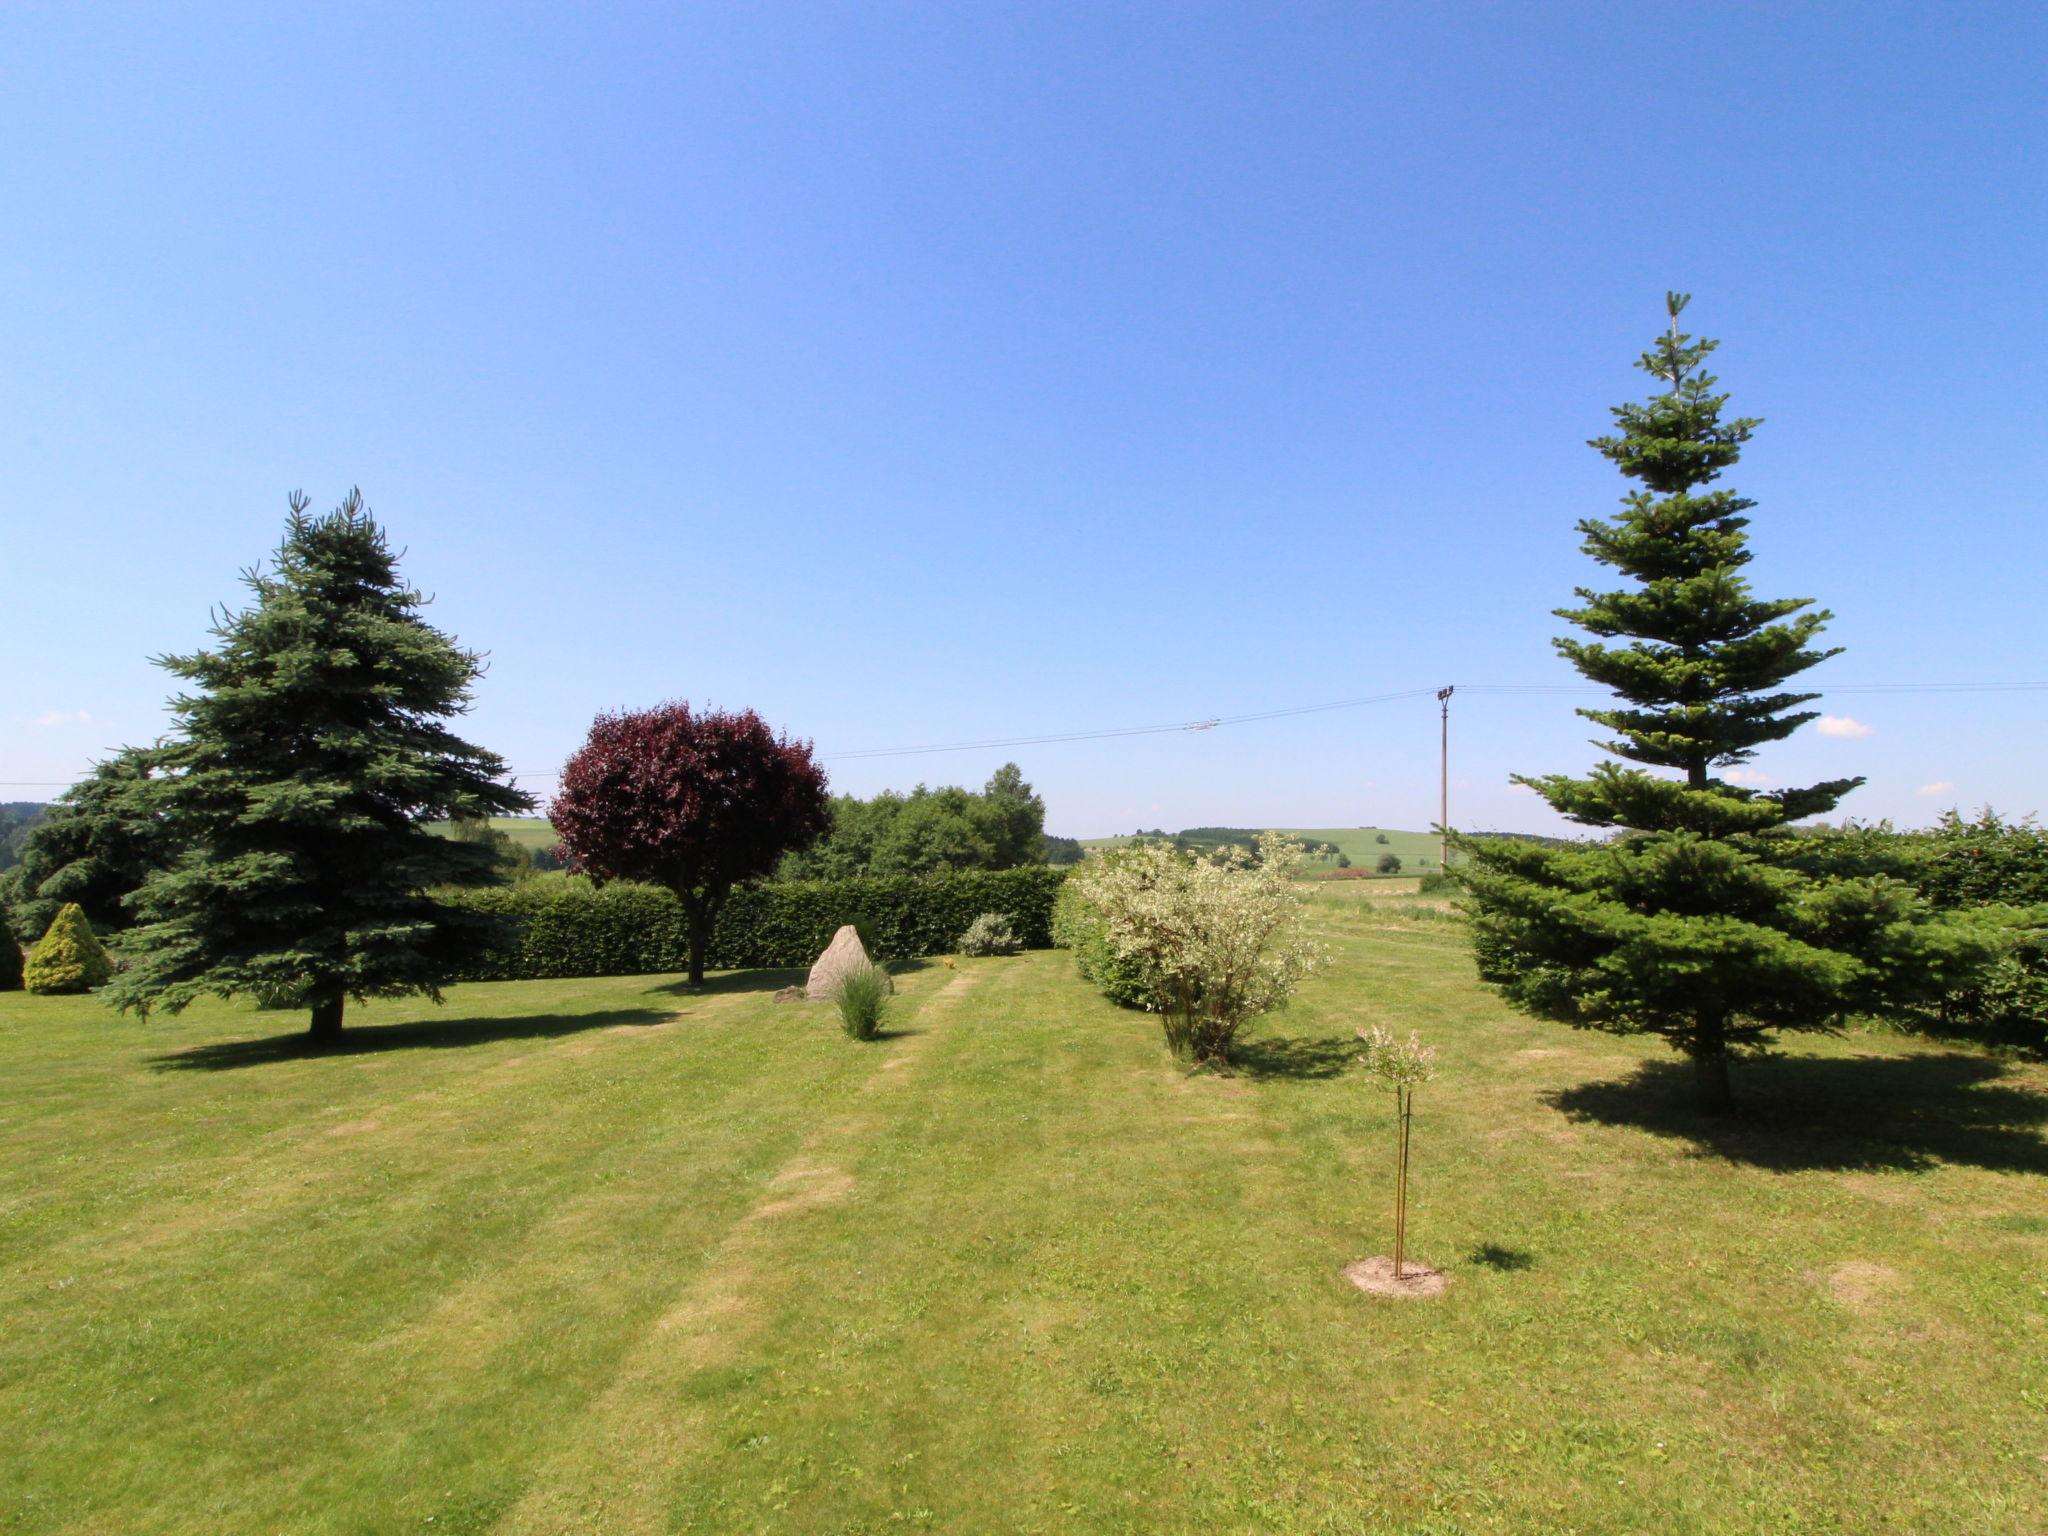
1077, 926
569, 928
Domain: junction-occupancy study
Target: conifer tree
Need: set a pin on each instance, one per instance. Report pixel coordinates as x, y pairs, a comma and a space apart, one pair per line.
10, 953
310, 761
1707, 920
95, 846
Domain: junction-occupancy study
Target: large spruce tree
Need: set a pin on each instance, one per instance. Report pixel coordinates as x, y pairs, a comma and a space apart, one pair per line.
310, 759
1707, 919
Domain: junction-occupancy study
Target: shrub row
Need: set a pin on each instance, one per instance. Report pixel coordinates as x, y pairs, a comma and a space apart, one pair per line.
1989, 863
569, 928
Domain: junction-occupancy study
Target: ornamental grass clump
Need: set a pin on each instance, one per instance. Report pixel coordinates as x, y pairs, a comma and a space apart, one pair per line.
69, 958
1218, 939
1403, 1066
863, 998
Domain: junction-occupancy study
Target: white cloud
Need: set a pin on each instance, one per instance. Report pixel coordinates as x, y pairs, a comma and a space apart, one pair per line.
1938, 787
1746, 776
1841, 725
1520, 789
61, 717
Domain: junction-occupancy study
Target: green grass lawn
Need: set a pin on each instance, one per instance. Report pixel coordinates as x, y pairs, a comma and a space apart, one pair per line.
613, 1256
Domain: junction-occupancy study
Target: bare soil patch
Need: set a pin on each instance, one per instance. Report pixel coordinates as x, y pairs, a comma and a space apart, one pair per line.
1375, 1276
804, 1188
1857, 1283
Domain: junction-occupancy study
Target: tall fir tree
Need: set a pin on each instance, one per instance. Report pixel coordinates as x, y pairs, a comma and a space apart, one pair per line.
310, 760
1708, 919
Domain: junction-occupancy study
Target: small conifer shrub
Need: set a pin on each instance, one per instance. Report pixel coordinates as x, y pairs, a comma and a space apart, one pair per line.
69, 958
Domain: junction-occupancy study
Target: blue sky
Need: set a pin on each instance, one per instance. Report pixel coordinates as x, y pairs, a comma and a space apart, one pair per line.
924, 374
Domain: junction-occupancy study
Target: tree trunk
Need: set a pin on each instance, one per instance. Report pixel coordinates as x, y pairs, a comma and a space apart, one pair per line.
699, 912
326, 1028
1710, 1079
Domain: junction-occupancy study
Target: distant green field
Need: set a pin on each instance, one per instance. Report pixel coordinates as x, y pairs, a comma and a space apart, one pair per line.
528, 832
1362, 845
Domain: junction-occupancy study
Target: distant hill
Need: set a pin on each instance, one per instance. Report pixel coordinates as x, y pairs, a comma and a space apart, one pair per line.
1418, 851
1363, 846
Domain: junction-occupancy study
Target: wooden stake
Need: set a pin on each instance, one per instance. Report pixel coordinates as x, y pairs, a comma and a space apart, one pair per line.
1404, 1098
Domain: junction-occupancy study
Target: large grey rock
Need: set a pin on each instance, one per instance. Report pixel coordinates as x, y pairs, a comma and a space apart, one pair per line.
842, 957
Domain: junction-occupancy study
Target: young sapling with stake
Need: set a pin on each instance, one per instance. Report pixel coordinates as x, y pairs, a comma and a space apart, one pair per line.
1402, 1066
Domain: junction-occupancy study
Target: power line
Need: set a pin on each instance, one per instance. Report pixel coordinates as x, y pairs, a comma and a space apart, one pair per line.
1505, 689
1213, 722
1832, 688
1208, 724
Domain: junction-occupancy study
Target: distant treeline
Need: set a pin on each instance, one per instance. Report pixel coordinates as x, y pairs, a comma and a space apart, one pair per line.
1209, 839
928, 832
16, 818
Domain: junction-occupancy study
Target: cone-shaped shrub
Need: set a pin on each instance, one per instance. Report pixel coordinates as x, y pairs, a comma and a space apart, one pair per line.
10, 953
70, 957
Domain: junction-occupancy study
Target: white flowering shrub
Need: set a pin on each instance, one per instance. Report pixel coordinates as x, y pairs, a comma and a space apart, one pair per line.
992, 933
1077, 926
1218, 940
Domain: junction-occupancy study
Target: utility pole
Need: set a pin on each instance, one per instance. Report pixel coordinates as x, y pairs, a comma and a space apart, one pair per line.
1443, 803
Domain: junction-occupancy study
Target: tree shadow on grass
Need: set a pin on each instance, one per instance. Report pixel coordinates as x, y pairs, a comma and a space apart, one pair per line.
426, 1034
1842, 1113
772, 979
736, 981
1298, 1056
1506, 1260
